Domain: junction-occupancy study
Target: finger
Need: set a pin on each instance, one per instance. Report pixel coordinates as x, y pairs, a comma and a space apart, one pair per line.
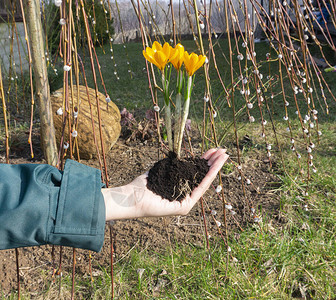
219, 162
216, 155
208, 154
209, 178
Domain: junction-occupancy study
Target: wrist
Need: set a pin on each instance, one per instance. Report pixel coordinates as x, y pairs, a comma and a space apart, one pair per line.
120, 203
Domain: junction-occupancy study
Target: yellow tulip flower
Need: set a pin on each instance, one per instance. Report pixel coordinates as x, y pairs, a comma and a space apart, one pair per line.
159, 55
178, 60
193, 62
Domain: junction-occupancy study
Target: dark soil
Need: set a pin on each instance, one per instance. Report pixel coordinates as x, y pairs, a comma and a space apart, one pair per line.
125, 162
173, 179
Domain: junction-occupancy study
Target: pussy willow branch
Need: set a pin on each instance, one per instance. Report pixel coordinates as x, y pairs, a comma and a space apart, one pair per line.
149, 70
90, 46
123, 34
31, 80
4, 110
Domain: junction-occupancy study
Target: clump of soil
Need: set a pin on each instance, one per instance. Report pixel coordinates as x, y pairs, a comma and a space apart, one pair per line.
173, 178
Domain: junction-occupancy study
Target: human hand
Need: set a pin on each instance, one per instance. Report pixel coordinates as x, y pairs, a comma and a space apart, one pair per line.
135, 200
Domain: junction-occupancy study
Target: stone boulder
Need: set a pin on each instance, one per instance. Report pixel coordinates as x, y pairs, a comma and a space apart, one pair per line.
110, 120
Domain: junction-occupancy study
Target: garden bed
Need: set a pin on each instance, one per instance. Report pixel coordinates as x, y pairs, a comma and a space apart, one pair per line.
125, 162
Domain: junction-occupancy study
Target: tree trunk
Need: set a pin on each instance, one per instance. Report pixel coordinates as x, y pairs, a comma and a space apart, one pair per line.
48, 140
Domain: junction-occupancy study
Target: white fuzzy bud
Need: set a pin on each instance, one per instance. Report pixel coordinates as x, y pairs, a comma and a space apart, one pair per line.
66, 68
60, 111
62, 22
156, 108
228, 206
240, 56
58, 3
74, 133
218, 189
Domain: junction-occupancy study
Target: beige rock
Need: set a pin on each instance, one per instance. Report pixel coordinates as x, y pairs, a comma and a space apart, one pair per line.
110, 120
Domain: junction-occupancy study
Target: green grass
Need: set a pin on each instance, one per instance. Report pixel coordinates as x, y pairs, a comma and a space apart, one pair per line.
284, 260
274, 261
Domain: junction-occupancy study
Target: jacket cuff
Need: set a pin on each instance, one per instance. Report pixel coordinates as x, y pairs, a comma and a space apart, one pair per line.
79, 218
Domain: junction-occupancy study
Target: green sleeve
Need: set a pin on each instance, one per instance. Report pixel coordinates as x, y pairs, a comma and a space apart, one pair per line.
42, 205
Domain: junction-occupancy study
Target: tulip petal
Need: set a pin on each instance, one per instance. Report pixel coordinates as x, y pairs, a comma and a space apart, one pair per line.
201, 60
178, 59
166, 49
150, 58
150, 51
161, 59
156, 46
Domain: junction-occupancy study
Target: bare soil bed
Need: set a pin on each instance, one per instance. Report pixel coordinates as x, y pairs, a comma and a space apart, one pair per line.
125, 162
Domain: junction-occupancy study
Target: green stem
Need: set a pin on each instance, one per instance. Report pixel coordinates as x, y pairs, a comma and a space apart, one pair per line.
185, 115
178, 110
177, 120
167, 112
